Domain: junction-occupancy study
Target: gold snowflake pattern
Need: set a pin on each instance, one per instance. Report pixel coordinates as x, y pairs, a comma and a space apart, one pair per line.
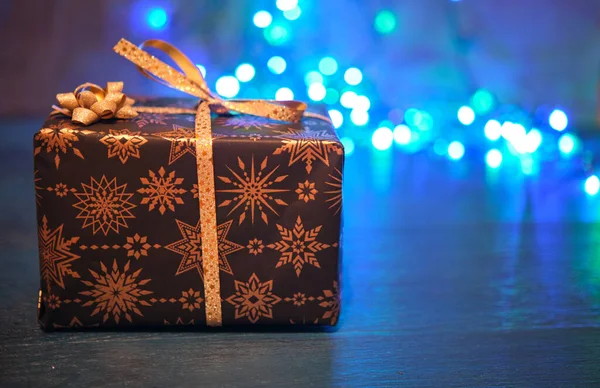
52, 301
54, 140
331, 302
60, 189
190, 300
137, 246
190, 247
308, 146
144, 119
123, 144
55, 254
306, 191
299, 299
183, 141
162, 191
195, 190
179, 322
75, 323
116, 292
255, 246
298, 246
253, 190
65, 124
335, 192
245, 122
104, 205
37, 187
253, 299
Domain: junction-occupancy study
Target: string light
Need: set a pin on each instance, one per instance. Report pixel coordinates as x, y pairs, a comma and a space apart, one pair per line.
157, 18
353, 76
227, 86
276, 34
277, 65
492, 130
402, 134
493, 158
328, 66
245, 72
316, 92
482, 101
262, 19
566, 143
313, 77
533, 140
466, 115
284, 94
348, 99
337, 119
592, 185
382, 138
558, 120
385, 22
293, 13
286, 5
359, 117
456, 150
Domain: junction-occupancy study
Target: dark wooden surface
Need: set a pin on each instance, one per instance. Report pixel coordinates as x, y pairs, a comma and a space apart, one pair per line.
453, 276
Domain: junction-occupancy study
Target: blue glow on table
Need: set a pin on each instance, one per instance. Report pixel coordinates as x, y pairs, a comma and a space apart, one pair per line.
276, 64
227, 86
286, 5
262, 19
328, 66
466, 115
316, 92
348, 144
493, 130
558, 120
382, 138
157, 18
402, 134
353, 76
337, 118
359, 117
592, 185
245, 72
284, 94
456, 150
493, 158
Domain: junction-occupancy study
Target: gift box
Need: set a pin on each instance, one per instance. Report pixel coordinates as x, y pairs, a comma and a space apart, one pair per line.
142, 221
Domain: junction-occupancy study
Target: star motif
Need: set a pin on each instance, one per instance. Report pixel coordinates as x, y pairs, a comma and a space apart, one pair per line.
298, 246
162, 191
137, 246
308, 146
253, 299
116, 292
182, 142
123, 143
190, 247
335, 194
253, 190
55, 254
57, 141
104, 205
190, 300
306, 191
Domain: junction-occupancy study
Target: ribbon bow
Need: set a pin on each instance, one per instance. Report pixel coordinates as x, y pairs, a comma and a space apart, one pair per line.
90, 103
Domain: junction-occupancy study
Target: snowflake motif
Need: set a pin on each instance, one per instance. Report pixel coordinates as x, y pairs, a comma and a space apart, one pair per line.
61, 190
298, 299
104, 205
183, 141
55, 254
306, 191
162, 191
255, 246
245, 122
137, 246
37, 187
123, 143
57, 141
331, 302
116, 292
190, 300
52, 301
335, 194
308, 146
253, 299
195, 190
253, 190
298, 246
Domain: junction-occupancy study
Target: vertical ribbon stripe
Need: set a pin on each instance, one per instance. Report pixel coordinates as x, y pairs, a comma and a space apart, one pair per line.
208, 216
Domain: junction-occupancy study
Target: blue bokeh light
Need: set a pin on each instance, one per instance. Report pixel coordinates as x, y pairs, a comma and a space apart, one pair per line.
348, 144
337, 118
456, 150
262, 19
157, 18
353, 76
493, 158
228, 86
277, 65
382, 138
284, 94
359, 117
592, 185
493, 130
558, 120
402, 134
245, 72
567, 143
466, 115
316, 92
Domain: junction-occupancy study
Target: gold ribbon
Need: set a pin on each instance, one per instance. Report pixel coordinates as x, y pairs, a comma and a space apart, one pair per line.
90, 103
189, 80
